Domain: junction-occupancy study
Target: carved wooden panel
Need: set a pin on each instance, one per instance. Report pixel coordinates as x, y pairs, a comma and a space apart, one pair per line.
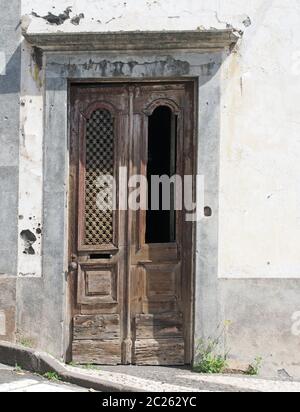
101, 124
98, 283
162, 282
99, 191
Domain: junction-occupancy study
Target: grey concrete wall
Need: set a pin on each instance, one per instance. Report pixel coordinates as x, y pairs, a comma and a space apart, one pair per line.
9, 156
9, 134
261, 312
41, 301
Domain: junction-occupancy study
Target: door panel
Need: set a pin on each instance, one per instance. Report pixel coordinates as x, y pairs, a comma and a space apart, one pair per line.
99, 130
98, 284
158, 267
134, 296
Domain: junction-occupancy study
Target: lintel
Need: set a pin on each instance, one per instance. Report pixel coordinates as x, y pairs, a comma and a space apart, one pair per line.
104, 41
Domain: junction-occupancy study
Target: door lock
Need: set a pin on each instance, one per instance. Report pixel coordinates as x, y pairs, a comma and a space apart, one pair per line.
73, 266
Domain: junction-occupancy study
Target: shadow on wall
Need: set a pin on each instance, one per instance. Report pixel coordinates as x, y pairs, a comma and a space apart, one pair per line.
10, 82
93, 68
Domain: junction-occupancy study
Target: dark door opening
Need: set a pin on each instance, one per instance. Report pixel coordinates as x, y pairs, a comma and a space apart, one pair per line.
162, 157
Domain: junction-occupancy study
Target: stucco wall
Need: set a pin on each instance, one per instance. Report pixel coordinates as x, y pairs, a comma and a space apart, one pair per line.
255, 227
260, 148
10, 58
259, 195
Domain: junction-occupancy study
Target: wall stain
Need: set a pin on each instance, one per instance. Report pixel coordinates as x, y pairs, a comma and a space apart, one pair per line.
55, 19
37, 66
76, 19
207, 69
170, 67
37, 57
247, 22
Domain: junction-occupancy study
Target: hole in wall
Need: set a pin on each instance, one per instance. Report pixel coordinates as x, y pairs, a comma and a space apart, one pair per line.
207, 211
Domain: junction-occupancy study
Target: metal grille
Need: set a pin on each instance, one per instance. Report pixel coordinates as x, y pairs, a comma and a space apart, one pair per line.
99, 190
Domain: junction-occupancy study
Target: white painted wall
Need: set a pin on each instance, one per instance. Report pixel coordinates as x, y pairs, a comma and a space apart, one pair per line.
31, 162
132, 15
260, 142
260, 147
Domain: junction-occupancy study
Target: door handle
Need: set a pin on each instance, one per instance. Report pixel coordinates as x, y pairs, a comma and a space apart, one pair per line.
73, 266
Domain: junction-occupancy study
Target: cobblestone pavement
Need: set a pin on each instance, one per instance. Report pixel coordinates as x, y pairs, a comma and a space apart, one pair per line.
15, 381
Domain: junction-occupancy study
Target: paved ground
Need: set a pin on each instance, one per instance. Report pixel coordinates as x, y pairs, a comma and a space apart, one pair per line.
166, 379
148, 379
13, 381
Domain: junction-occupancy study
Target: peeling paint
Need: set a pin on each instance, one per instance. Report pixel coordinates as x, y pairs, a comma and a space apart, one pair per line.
76, 19
29, 239
55, 19
247, 22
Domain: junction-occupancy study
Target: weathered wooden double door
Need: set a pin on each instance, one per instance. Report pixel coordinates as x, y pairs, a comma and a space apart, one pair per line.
131, 256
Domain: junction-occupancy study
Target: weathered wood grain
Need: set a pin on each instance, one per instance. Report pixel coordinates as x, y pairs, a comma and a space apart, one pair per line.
159, 326
98, 327
97, 352
99, 282
159, 352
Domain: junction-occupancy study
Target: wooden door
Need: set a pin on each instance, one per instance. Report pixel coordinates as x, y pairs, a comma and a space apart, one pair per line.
132, 268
